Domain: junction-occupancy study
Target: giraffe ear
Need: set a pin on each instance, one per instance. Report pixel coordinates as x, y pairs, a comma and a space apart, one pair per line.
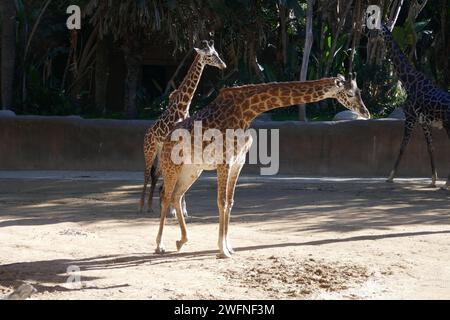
197, 50
211, 43
172, 94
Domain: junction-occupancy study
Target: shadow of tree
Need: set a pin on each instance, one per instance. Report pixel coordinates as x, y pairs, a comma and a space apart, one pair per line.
343, 206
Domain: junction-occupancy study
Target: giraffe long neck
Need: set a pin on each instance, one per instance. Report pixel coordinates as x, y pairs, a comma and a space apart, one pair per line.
403, 68
256, 99
185, 91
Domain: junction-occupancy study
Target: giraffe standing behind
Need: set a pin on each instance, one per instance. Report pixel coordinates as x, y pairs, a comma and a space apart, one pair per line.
426, 104
235, 108
178, 110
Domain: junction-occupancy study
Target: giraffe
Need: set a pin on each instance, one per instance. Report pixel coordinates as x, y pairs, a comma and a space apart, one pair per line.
178, 110
426, 104
235, 108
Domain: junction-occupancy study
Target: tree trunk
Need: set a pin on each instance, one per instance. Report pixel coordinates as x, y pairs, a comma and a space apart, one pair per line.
357, 26
342, 17
133, 61
283, 12
101, 74
306, 54
8, 54
414, 10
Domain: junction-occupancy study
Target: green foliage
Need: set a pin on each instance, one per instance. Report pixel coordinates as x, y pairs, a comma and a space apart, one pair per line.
244, 30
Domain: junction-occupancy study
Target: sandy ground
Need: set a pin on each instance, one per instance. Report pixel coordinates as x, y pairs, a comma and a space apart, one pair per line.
296, 238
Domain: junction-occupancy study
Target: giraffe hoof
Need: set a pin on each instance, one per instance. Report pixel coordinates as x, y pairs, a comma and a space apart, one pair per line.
180, 244
390, 180
160, 250
223, 255
432, 186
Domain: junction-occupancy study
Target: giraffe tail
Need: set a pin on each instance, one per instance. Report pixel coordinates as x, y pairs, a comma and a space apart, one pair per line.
155, 173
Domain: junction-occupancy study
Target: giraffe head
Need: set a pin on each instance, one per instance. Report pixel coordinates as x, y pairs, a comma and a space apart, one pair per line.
209, 55
349, 95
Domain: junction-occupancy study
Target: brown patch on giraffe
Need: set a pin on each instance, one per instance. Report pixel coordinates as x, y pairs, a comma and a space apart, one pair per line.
274, 100
265, 97
285, 100
255, 100
309, 91
316, 95
248, 114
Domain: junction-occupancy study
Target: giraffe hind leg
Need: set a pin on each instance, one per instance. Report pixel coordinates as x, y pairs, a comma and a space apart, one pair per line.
183, 207
149, 154
428, 136
155, 173
166, 199
142, 201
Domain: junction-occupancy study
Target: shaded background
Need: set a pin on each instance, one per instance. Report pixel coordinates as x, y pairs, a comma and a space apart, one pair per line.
129, 55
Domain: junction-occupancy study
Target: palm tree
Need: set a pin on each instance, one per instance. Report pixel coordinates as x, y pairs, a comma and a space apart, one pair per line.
8, 53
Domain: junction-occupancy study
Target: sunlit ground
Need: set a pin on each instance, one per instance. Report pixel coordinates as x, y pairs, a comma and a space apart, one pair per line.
394, 238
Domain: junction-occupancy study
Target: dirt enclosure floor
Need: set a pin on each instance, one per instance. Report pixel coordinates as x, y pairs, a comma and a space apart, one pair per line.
295, 238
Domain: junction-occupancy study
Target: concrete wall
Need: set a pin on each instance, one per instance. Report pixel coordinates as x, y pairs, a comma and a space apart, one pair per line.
346, 148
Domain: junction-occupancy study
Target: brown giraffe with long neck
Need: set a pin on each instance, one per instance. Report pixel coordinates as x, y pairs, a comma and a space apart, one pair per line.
235, 108
178, 110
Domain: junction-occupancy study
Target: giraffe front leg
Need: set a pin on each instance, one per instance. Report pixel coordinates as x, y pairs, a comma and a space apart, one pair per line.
222, 181
234, 175
409, 126
166, 197
428, 136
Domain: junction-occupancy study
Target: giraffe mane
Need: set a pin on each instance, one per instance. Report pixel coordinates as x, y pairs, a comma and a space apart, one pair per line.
266, 84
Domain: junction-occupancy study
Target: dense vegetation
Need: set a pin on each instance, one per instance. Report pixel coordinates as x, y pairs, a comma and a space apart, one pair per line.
47, 69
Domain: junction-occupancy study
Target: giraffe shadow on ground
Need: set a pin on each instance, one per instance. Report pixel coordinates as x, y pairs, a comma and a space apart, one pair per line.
51, 275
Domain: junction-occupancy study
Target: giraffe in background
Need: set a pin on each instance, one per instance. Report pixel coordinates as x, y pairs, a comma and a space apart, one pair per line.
178, 110
235, 108
426, 104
